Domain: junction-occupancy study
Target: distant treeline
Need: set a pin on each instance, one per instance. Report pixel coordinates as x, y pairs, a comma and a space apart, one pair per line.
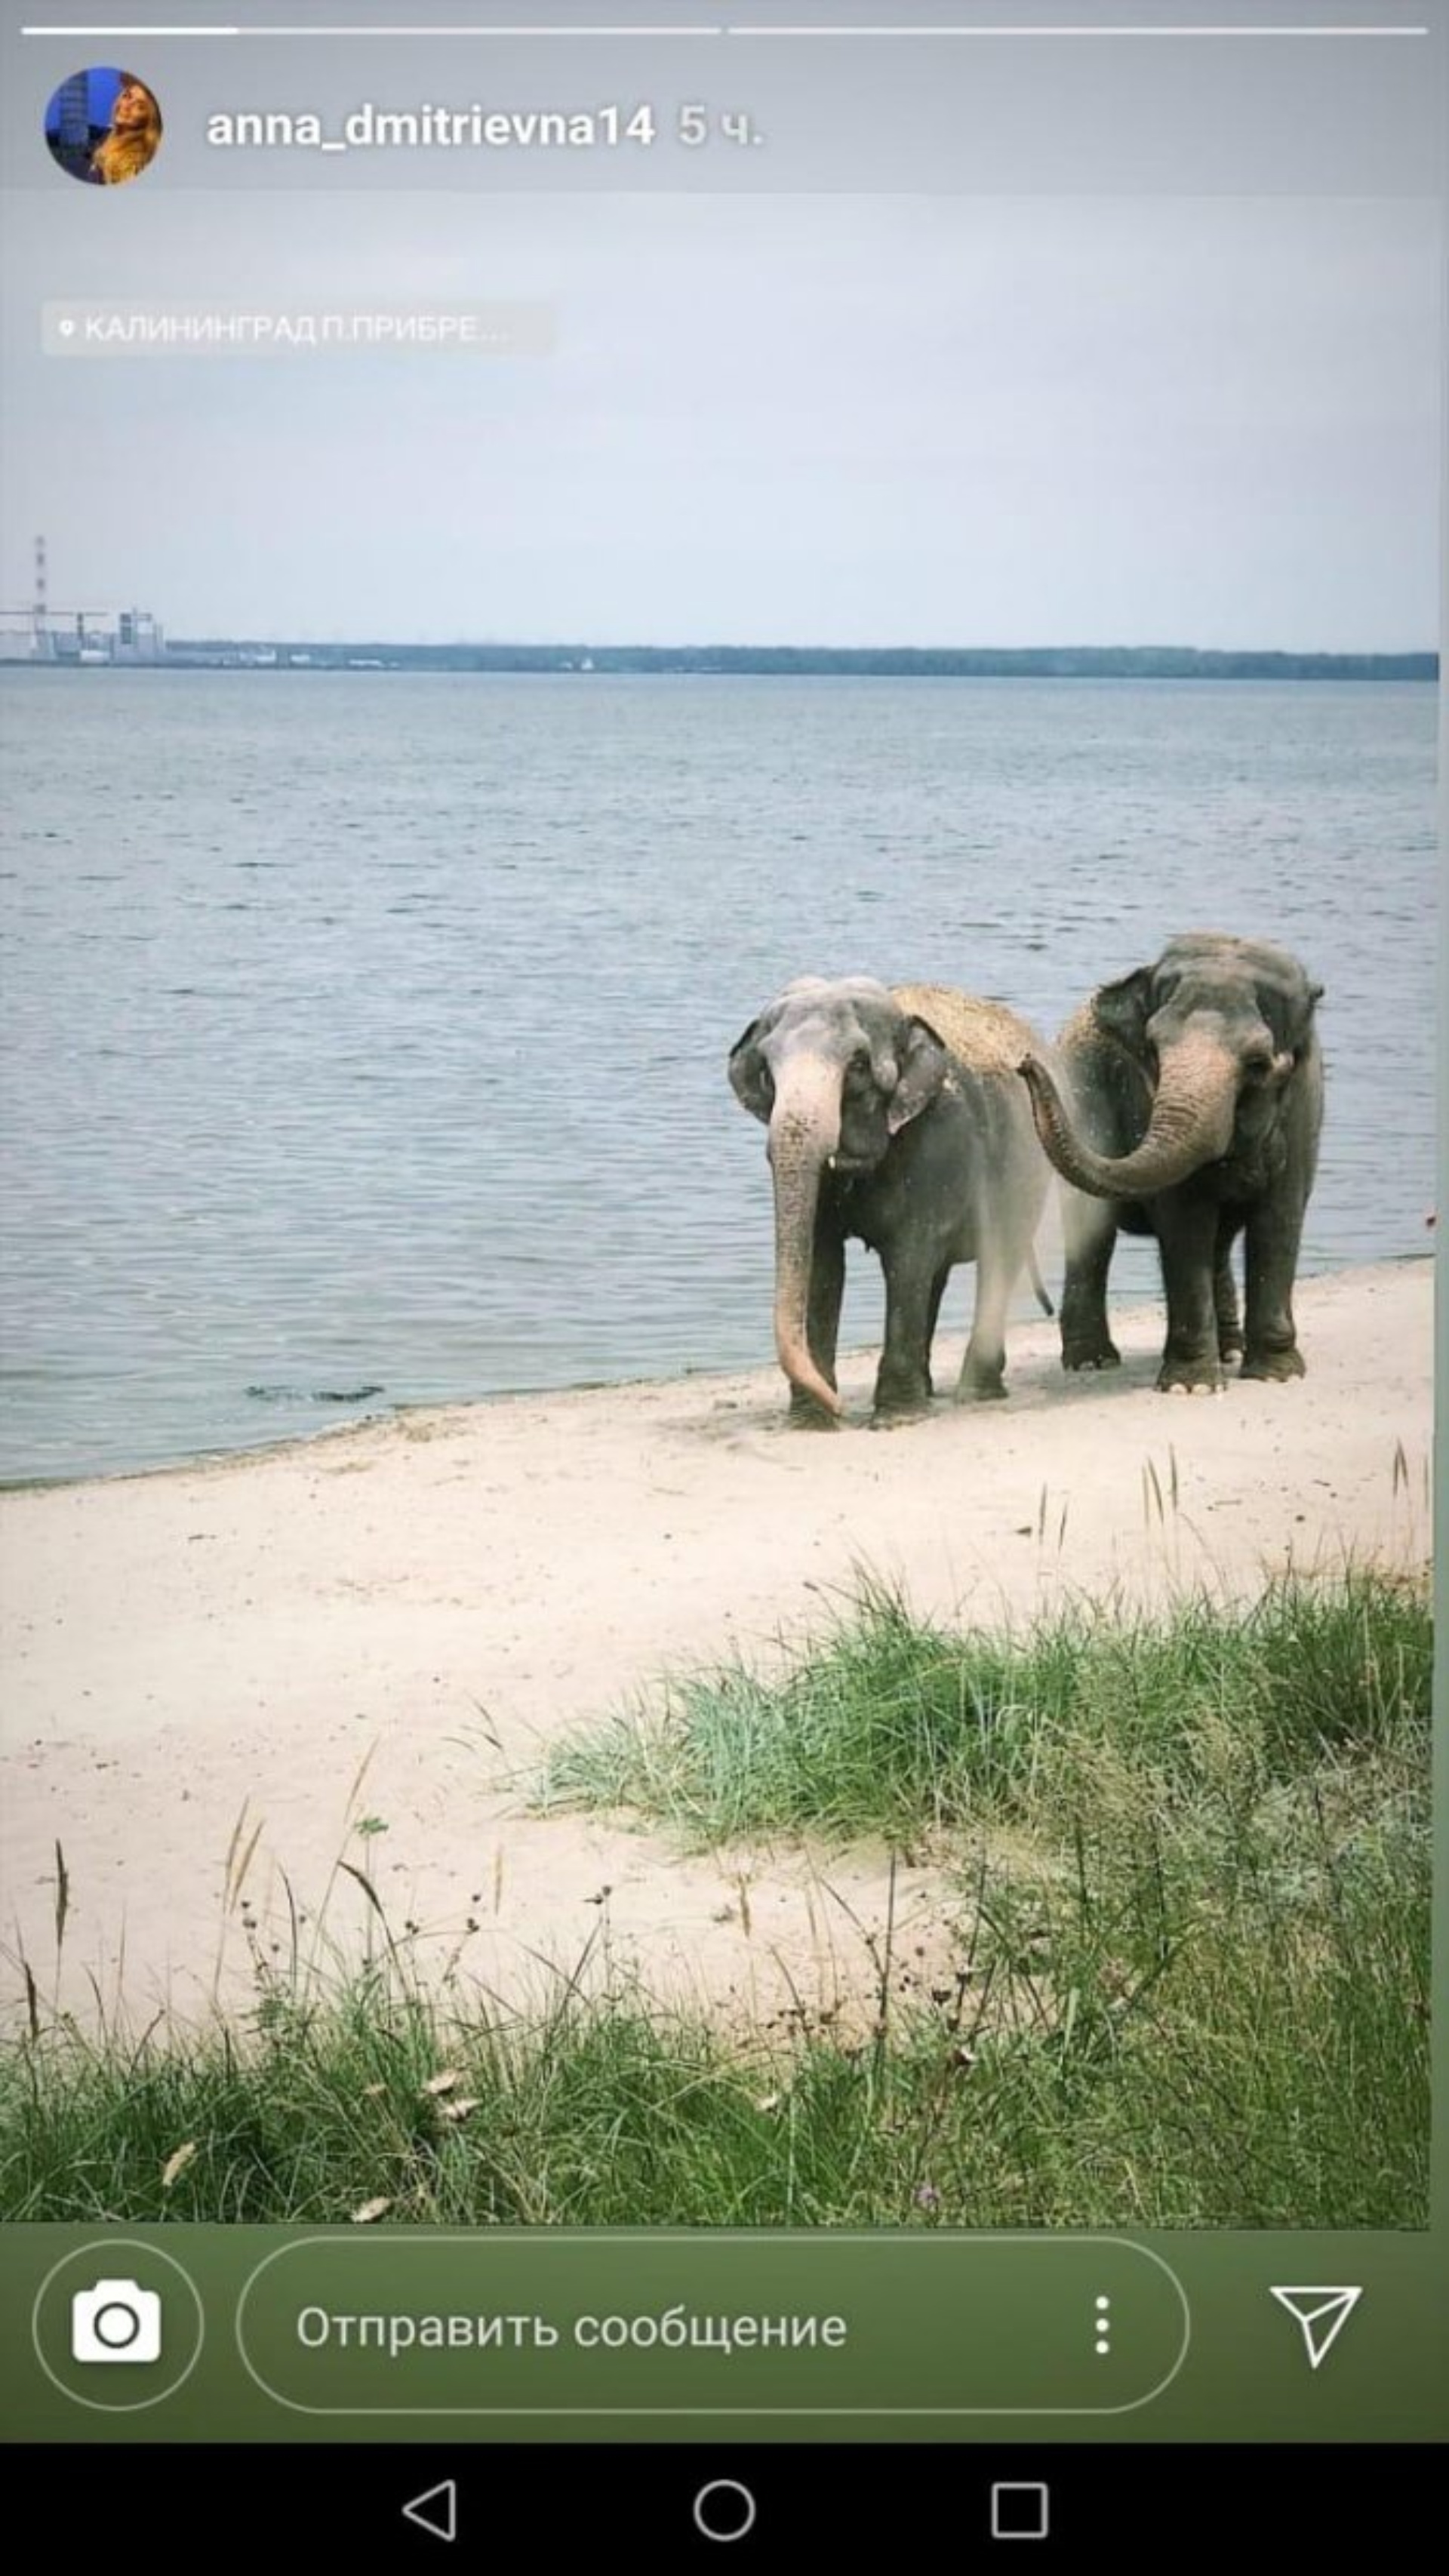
886, 662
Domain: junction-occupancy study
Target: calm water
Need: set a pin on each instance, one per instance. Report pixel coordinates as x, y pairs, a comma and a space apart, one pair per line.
369, 1031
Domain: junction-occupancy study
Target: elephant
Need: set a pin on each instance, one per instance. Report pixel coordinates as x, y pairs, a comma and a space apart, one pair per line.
895, 1117
1196, 1106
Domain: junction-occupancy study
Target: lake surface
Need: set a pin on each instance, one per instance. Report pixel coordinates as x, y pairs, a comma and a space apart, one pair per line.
368, 1031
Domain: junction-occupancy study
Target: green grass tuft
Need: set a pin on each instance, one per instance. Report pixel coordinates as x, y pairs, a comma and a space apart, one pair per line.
1195, 1859
892, 1727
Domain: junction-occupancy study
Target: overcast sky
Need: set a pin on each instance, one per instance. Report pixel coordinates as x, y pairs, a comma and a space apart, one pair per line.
805, 419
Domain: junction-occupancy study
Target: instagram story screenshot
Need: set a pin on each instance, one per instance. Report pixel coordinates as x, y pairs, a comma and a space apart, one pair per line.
721, 901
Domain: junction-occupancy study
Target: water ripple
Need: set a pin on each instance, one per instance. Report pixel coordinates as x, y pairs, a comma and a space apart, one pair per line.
441, 1110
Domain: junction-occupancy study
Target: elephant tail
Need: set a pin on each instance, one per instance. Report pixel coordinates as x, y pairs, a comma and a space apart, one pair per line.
1042, 1299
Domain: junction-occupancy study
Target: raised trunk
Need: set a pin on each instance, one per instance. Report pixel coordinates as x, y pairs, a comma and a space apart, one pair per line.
804, 1133
1192, 1124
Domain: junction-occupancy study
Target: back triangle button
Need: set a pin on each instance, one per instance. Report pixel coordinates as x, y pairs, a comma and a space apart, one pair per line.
436, 2510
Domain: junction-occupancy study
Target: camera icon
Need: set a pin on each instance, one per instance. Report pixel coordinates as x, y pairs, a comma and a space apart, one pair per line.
115, 2321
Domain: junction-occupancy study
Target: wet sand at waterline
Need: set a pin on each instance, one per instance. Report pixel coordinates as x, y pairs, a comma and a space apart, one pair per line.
259, 1655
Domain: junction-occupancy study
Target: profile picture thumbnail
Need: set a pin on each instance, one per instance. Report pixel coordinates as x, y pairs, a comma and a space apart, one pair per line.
103, 126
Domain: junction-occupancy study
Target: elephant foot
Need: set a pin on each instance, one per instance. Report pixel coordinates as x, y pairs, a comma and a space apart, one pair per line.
1091, 1355
1280, 1365
895, 1406
807, 1415
1230, 1347
981, 1390
1190, 1377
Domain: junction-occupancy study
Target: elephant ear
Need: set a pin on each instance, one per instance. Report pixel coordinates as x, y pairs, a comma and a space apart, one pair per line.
1123, 1008
1289, 1007
1304, 1015
750, 1078
922, 1062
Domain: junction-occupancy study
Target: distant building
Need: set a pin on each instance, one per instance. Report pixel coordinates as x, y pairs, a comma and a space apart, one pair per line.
138, 637
70, 128
72, 110
45, 634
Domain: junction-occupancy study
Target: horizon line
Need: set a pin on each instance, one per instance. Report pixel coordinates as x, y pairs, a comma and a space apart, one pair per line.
685, 644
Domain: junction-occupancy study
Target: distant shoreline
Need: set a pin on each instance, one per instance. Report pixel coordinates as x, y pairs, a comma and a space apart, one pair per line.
771, 661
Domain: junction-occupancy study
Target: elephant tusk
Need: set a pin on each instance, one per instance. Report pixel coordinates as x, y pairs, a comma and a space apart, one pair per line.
830, 1162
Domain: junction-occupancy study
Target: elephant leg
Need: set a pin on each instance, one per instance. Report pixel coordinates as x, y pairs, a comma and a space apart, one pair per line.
827, 1288
998, 1267
938, 1291
1225, 1291
1274, 1232
1187, 1233
903, 1382
1090, 1229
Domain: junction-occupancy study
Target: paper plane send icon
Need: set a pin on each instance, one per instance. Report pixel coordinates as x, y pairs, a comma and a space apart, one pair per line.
1322, 2314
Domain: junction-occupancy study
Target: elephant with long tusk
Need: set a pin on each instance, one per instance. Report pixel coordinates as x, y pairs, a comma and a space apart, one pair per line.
895, 1117
1189, 1108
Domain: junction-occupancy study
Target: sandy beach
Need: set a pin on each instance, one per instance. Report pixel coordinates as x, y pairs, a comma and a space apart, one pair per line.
214, 1675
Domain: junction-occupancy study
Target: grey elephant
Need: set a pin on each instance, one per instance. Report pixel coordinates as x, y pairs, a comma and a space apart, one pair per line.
1193, 1112
895, 1117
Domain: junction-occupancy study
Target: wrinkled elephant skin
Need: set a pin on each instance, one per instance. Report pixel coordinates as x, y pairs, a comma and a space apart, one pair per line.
896, 1118
1189, 1107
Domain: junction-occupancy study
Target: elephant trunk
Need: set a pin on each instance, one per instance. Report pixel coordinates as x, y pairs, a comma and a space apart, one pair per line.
1192, 1124
804, 1133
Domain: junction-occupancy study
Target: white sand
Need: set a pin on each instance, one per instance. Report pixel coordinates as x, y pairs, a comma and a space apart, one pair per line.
434, 1596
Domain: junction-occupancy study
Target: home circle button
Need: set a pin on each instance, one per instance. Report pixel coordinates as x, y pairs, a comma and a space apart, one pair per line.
724, 2510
